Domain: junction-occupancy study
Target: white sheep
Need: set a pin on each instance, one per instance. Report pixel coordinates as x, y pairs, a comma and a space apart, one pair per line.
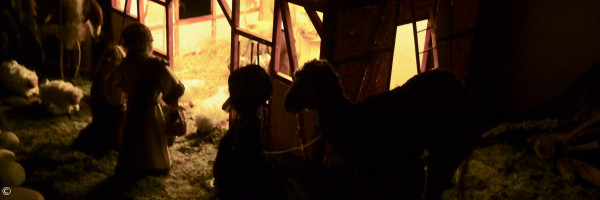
19, 79
209, 115
63, 95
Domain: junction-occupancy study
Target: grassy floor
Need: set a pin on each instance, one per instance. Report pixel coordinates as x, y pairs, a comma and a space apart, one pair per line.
59, 172
502, 167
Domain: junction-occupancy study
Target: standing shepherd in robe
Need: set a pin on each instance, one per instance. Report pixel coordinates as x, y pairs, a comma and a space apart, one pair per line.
143, 79
241, 170
102, 135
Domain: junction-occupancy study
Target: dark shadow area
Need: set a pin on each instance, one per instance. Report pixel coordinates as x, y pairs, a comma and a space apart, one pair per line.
115, 187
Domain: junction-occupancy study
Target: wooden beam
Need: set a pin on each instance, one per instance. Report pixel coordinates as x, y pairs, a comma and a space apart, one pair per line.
235, 38
127, 8
274, 67
390, 69
169, 26
141, 14
253, 36
428, 46
122, 14
434, 44
161, 2
290, 42
226, 10
289, 36
415, 38
327, 39
316, 21
208, 17
311, 5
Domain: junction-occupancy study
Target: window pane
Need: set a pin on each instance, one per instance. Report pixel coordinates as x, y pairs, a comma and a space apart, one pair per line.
118, 4
191, 36
223, 29
257, 17
251, 54
404, 64
133, 12
421, 25
194, 8
308, 41
218, 11
155, 20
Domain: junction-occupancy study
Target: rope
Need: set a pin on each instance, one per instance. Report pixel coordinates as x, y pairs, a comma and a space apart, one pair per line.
301, 147
78, 58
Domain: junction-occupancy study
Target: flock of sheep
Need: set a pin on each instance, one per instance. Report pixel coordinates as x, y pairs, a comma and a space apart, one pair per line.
62, 97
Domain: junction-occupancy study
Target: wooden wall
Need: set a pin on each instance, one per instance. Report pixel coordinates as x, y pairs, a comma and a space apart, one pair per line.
527, 53
360, 43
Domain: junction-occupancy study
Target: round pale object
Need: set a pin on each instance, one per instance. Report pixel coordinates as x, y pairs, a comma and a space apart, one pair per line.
20, 193
8, 140
7, 155
12, 174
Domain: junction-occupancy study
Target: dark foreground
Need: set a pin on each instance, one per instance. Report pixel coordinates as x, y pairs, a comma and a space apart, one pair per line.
502, 167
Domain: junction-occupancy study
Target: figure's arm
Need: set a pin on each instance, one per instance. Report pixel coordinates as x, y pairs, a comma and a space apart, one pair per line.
171, 87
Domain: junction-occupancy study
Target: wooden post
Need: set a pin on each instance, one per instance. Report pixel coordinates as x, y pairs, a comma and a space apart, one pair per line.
289, 36
316, 21
274, 68
169, 32
61, 39
415, 38
235, 38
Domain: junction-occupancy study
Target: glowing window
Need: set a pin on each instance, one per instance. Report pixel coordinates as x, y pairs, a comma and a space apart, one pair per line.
122, 4
155, 20
307, 40
404, 64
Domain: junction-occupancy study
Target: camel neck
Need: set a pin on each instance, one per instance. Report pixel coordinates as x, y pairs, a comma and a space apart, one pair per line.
332, 109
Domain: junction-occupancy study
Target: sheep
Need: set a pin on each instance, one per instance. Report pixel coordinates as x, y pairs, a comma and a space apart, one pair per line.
19, 79
63, 95
381, 142
209, 115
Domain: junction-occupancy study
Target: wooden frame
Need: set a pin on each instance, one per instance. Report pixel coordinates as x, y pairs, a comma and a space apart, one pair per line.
141, 15
281, 17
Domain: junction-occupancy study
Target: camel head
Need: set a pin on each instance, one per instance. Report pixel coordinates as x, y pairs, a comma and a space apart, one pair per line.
314, 85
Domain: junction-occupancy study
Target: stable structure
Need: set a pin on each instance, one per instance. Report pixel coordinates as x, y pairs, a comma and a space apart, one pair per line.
515, 56
358, 37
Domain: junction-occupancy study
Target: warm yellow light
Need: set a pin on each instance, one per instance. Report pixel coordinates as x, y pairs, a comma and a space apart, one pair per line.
404, 65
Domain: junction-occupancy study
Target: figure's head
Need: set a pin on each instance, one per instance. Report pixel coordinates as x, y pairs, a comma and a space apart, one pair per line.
314, 83
137, 39
249, 88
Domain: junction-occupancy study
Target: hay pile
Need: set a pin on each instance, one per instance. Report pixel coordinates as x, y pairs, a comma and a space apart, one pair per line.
505, 167
209, 63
